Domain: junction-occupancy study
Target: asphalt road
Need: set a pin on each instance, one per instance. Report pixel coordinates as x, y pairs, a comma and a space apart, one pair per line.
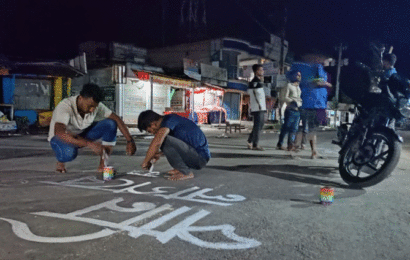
243, 205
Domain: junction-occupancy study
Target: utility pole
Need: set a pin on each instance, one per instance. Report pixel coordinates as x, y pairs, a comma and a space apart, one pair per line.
339, 48
163, 22
282, 47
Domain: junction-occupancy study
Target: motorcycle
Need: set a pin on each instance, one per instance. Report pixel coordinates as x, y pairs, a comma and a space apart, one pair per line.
370, 145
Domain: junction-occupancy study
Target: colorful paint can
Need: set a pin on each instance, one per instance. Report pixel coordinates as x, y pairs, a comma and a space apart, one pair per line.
326, 195
108, 173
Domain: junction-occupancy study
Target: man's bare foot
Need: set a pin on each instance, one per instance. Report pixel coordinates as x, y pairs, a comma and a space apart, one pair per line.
180, 176
293, 156
173, 171
316, 155
61, 167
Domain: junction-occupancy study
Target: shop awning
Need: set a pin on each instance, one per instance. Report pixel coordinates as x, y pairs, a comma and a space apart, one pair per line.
238, 86
176, 83
46, 69
166, 80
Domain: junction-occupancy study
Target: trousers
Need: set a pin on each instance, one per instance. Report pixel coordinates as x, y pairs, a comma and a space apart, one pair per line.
290, 126
258, 122
182, 156
105, 130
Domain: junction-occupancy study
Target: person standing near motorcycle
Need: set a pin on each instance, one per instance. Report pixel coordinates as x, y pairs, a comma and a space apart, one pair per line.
314, 97
388, 60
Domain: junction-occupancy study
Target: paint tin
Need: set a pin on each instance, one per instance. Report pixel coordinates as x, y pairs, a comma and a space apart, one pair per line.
108, 173
326, 195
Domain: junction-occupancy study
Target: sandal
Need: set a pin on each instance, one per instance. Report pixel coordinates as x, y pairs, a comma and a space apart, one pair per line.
180, 176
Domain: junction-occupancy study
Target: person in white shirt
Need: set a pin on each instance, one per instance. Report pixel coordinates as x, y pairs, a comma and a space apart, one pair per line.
291, 96
258, 107
75, 124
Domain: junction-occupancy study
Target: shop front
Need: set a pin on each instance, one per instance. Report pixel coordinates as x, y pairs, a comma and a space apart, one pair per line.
158, 92
208, 103
33, 90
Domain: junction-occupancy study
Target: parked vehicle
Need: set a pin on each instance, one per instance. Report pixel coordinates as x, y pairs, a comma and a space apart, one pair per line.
370, 145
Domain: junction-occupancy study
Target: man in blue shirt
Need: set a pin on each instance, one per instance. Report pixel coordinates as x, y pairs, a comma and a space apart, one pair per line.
388, 60
314, 96
180, 140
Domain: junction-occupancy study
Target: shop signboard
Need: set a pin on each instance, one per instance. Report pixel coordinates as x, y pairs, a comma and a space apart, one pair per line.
32, 94
271, 68
272, 50
136, 93
101, 77
281, 81
127, 52
191, 69
176, 83
214, 75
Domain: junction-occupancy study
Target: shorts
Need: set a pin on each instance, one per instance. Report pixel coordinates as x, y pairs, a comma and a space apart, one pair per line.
312, 119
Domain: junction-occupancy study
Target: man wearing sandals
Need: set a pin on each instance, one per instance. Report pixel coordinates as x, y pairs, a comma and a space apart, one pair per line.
314, 97
180, 140
73, 125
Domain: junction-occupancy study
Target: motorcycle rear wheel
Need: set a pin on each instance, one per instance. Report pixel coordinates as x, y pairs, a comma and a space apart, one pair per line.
369, 164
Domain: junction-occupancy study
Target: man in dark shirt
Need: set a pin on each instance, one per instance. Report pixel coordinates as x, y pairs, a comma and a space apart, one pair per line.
180, 140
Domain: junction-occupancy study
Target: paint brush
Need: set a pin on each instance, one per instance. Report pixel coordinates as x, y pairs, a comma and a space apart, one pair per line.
152, 166
105, 158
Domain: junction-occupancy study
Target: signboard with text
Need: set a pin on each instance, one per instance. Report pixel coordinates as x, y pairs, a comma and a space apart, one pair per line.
272, 50
32, 94
271, 68
214, 75
191, 69
128, 52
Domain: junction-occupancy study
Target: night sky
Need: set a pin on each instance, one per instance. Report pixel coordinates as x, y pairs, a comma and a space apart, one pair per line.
53, 29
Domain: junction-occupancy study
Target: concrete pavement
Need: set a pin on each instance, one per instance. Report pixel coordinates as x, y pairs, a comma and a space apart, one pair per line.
243, 205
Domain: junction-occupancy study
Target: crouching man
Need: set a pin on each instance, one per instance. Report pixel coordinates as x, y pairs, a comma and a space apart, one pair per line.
73, 125
180, 140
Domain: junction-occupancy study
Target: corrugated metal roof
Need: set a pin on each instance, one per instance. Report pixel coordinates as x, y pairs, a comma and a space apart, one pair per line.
46, 69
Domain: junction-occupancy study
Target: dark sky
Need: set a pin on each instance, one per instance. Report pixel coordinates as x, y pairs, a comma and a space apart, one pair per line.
52, 29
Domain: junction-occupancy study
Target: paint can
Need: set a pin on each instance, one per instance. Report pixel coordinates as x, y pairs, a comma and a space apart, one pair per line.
326, 195
108, 173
